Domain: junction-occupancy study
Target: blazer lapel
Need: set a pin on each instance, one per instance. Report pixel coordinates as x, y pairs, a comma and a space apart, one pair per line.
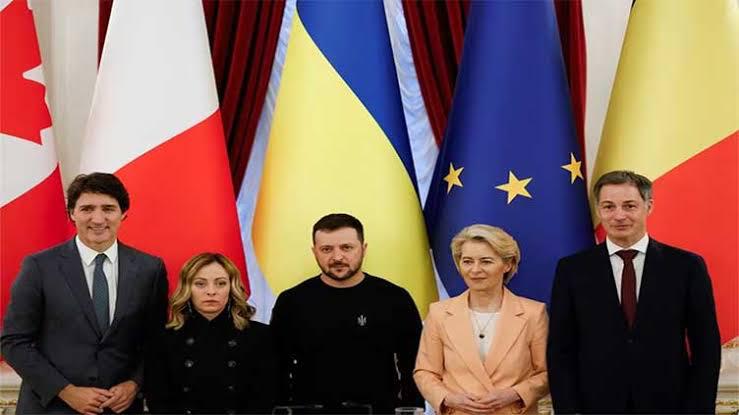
510, 325
650, 284
127, 270
458, 327
71, 268
606, 284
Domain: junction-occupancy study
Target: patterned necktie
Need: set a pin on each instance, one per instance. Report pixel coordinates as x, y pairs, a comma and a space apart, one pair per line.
100, 294
628, 285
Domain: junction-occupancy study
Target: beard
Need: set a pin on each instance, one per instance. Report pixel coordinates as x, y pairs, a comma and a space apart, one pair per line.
350, 272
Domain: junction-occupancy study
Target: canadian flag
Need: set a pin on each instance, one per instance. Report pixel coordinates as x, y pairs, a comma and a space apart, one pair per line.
155, 123
32, 213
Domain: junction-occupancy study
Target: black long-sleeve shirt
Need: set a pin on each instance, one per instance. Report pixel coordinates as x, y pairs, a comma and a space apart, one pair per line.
355, 344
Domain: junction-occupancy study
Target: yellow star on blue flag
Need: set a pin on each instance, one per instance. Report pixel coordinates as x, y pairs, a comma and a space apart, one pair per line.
452, 179
574, 168
515, 187
504, 120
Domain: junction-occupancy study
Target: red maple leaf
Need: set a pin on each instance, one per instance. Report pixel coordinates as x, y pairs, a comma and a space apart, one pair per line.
23, 111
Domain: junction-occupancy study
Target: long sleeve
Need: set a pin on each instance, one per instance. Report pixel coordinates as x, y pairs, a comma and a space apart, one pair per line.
408, 332
23, 320
562, 346
537, 385
284, 354
705, 343
262, 372
430, 364
157, 383
156, 318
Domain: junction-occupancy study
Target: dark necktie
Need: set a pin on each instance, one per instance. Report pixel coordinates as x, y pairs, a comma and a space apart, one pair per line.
628, 285
100, 294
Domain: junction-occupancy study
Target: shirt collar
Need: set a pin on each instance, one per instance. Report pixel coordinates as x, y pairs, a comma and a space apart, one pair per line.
640, 245
88, 254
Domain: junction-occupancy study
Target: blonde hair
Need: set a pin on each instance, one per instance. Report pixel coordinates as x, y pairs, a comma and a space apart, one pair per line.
180, 306
499, 240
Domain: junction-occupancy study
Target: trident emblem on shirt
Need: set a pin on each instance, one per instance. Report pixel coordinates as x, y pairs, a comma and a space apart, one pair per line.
362, 320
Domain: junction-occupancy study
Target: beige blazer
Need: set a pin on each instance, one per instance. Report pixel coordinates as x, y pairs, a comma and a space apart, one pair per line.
448, 359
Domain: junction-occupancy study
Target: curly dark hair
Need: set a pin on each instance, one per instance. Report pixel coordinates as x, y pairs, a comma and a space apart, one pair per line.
101, 183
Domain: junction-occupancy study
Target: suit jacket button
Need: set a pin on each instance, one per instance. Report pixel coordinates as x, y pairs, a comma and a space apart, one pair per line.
231, 388
185, 389
231, 363
188, 412
630, 341
189, 363
92, 378
232, 343
230, 411
190, 341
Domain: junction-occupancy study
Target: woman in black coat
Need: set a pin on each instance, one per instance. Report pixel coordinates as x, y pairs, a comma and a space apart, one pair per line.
211, 358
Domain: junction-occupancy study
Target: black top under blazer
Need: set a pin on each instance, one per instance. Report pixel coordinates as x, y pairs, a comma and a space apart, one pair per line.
212, 367
597, 365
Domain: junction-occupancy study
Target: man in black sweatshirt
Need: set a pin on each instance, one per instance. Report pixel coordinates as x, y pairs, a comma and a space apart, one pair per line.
347, 340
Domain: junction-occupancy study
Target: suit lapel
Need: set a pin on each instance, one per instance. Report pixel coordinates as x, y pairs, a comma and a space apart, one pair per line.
71, 268
507, 331
650, 284
458, 327
127, 270
606, 284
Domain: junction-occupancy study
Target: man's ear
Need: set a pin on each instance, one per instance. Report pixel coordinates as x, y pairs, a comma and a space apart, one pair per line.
650, 206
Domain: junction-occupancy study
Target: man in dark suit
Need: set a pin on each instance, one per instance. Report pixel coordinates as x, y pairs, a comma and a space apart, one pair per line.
621, 313
81, 313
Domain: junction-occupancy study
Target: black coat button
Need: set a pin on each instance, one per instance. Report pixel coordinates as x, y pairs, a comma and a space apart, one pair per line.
188, 412
232, 343
185, 389
190, 341
189, 363
230, 411
231, 363
231, 388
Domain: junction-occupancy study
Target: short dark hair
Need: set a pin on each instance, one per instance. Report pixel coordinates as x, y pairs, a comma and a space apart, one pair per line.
642, 184
334, 221
102, 183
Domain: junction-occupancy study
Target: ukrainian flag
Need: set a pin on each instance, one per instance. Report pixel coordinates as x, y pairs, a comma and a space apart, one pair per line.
338, 143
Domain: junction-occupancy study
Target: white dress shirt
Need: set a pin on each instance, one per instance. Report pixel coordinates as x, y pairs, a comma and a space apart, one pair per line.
617, 264
110, 268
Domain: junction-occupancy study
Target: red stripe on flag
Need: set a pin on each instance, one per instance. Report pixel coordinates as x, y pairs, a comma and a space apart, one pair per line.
696, 209
30, 223
182, 201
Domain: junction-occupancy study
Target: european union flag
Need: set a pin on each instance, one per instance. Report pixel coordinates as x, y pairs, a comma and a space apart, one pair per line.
510, 156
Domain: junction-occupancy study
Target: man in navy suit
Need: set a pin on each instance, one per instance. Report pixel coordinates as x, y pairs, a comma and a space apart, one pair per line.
622, 311
81, 313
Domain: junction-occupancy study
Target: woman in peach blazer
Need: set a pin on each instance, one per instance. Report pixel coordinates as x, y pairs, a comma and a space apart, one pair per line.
484, 351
